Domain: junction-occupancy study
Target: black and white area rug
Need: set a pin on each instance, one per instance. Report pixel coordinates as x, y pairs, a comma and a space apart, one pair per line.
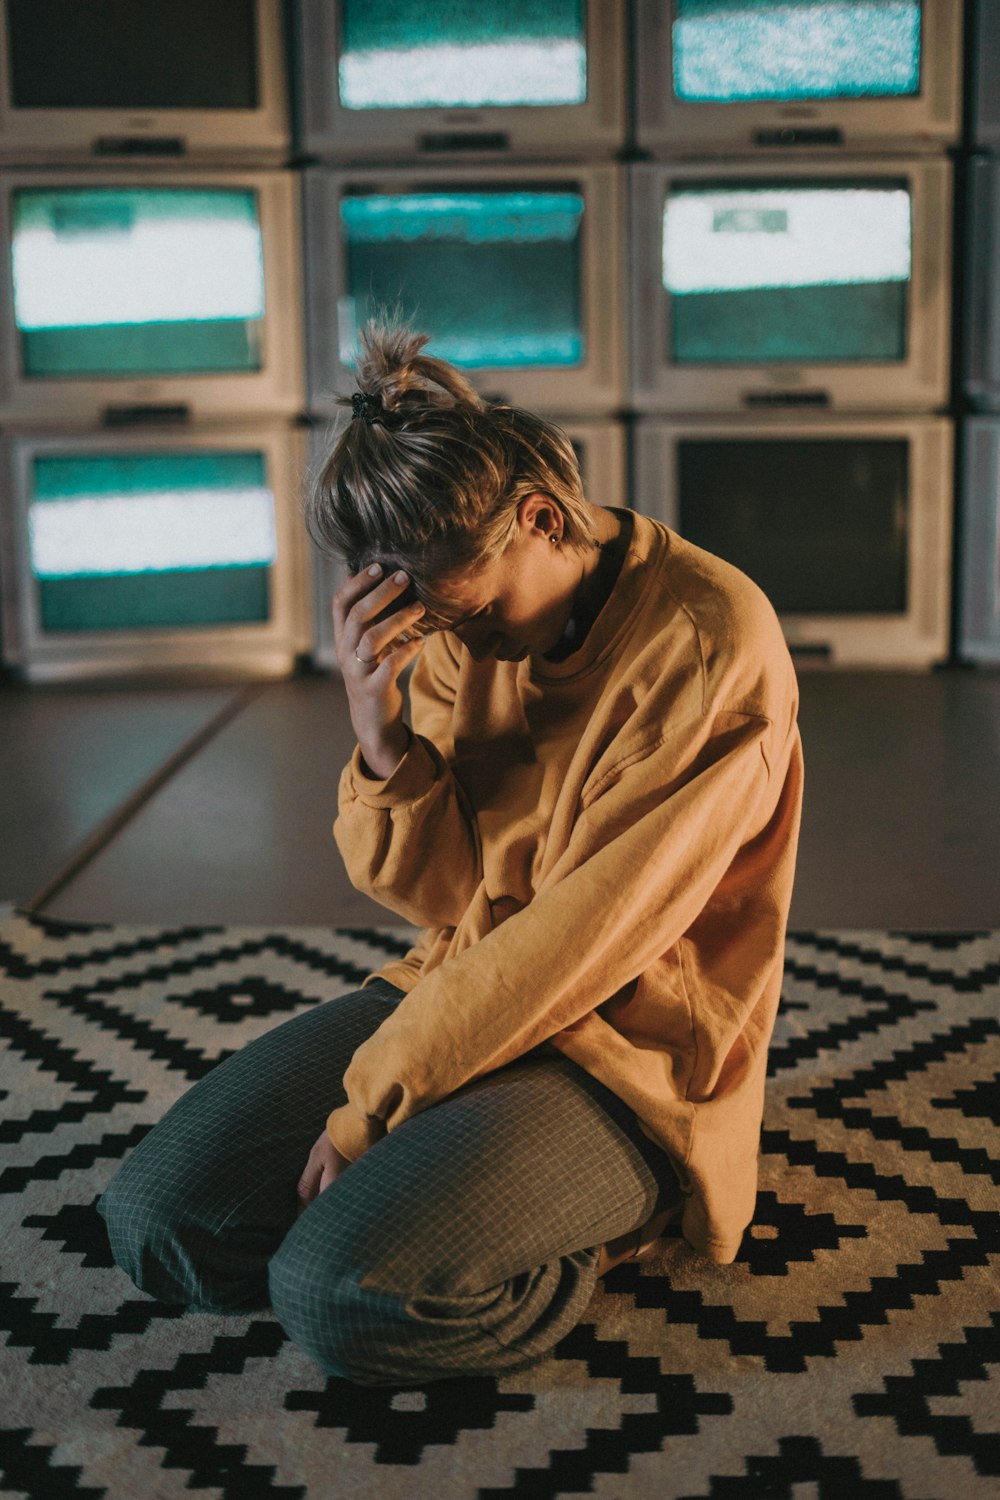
850, 1353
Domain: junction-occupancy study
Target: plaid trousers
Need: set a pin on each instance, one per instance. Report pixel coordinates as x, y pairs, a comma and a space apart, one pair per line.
465, 1241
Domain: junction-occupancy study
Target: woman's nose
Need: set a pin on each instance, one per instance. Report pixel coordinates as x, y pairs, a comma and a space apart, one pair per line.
477, 640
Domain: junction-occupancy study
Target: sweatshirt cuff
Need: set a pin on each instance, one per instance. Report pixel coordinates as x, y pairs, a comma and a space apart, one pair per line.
695, 1229
415, 774
351, 1132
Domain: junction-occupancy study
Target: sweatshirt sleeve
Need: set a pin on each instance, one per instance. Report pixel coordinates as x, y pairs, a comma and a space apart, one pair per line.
411, 841
652, 844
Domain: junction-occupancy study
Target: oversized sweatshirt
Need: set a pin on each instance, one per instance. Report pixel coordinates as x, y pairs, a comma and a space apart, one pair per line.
600, 854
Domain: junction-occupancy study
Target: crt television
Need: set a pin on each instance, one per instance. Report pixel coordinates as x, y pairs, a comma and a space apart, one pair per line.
979, 560
406, 79
127, 292
513, 271
143, 81
812, 75
981, 377
800, 283
155, 552
845, 525
985, 90
600, 449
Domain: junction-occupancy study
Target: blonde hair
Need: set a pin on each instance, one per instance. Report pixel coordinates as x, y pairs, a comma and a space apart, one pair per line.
433, 481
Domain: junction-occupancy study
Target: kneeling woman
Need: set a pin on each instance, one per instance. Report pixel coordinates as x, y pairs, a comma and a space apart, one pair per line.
593, 820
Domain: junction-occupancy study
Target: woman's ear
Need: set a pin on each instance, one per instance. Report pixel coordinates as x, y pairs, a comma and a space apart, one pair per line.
539, 512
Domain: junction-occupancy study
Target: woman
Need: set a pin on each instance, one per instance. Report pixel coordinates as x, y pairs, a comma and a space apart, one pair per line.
593, 819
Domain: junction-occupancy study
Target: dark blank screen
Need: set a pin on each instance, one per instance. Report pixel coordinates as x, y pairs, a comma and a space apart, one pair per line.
819, 524
132, 54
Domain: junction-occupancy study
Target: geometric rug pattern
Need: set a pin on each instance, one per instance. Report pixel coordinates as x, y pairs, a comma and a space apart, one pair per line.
851, 1350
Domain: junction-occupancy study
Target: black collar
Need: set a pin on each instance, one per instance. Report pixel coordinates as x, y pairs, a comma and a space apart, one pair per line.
600, 585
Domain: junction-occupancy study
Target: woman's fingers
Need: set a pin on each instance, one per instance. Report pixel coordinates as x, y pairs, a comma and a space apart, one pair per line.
308, 1186
368, 616
390, 634
324, 1166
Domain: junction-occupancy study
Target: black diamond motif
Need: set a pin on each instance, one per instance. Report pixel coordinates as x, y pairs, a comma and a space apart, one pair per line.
79, 1228
797, 1235
431, 1414
907, 1398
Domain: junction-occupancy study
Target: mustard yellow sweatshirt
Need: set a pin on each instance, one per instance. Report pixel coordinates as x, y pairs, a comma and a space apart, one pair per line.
600, 852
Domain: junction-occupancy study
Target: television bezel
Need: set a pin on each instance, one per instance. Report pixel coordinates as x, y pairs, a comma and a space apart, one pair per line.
979, 560
332, 132
928, 121
276, 389
915, 640
919, 382
595, 388
268, 649
606, 485
158, 137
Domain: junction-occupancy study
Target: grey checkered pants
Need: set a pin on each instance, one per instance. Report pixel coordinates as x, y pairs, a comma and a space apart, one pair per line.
465, 1241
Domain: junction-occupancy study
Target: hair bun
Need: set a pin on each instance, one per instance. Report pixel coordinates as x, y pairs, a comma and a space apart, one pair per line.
393, 368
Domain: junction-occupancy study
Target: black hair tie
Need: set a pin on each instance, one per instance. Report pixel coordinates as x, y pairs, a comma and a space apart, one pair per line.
368, 406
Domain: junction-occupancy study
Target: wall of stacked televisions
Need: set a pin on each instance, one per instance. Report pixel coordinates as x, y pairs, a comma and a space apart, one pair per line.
744, 251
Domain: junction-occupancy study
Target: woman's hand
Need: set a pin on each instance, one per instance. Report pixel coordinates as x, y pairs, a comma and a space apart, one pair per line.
372, 633
324, 1166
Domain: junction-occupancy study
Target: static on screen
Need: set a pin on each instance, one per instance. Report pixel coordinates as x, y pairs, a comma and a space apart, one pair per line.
407, 54
813, 272
493, 276
137, 540
131, 282
741, 50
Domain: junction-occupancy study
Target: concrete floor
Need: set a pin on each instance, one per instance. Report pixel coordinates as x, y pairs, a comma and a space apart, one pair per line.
214, 805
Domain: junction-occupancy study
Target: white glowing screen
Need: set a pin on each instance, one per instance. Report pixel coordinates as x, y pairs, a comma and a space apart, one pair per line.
156, 266
732, 239
470, 74
91, 535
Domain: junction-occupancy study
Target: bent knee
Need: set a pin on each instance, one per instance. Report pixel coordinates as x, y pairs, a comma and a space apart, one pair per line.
141, 1233
168, 1254
374, 1331
321, 1307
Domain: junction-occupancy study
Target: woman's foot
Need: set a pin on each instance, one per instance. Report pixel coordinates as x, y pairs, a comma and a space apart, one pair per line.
637, 1242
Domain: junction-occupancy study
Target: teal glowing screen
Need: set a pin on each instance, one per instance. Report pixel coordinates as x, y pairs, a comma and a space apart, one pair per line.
493, 276
728, 51
408, 54
142, 540
133, 282
808, 271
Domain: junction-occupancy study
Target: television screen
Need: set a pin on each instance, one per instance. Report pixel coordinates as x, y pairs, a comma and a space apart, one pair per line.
814, 76
406, 54
845, 523
795, 50
138, 281
140, 539
985, 81
756, 284
979, 558
822, 526
787, 270
494, 274
981, 375
397, 80
132, 54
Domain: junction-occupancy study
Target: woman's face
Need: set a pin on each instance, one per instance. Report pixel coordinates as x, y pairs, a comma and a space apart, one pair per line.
520, 603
